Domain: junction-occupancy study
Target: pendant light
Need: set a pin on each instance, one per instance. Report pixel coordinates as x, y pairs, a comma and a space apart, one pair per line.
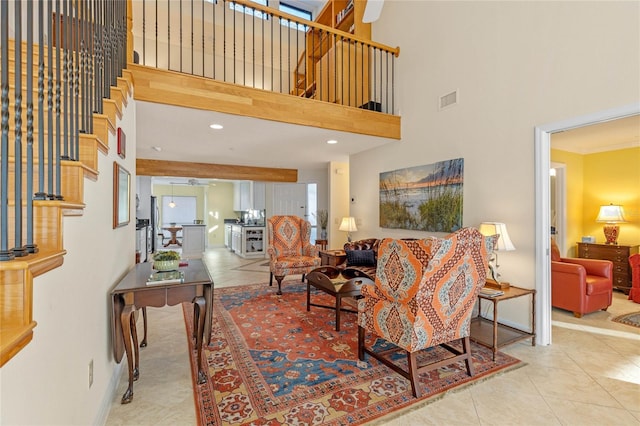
172, 204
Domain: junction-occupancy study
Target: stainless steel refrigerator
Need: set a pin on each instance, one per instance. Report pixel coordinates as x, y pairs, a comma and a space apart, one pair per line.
155, 223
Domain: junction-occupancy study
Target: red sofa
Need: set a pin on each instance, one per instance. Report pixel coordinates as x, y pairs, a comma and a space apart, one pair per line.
634, 293
580, 285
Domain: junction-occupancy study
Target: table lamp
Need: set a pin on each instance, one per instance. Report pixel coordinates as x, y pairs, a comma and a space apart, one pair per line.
503, 244
349, 225
611, 215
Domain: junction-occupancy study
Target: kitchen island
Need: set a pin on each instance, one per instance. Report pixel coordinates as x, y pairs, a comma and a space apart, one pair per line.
193, 241
247, 240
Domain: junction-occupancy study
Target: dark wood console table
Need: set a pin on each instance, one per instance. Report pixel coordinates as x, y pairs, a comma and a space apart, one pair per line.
133, 293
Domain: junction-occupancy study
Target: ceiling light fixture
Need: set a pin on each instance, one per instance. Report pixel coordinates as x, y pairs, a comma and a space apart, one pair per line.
216, 126
171, 203
332, 141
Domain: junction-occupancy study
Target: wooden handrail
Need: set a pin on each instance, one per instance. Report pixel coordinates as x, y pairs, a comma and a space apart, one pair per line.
394, 50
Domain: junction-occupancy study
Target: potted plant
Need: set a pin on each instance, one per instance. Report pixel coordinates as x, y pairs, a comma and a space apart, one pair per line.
323, 221
168, 260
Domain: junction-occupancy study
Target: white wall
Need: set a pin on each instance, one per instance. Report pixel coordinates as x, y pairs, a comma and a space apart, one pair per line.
47, 382
516, 65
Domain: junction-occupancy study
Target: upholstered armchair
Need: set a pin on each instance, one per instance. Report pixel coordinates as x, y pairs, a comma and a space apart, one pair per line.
423, 297
580, 285
290, 250
634, 293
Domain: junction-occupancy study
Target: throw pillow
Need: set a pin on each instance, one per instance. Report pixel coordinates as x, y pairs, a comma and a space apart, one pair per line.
360, 258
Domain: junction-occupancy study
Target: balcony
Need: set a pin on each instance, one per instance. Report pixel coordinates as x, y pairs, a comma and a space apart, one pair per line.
246, 59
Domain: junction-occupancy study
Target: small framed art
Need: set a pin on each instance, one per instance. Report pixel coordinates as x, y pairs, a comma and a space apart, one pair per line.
122, 143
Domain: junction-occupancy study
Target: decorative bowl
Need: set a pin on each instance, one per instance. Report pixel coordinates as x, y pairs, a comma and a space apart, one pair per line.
166, 265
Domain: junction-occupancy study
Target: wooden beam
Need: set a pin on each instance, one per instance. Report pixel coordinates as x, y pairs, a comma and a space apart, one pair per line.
145, 167
173, 88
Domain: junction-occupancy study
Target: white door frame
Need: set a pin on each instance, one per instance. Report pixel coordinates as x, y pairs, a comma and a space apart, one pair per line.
542, 136
561, 206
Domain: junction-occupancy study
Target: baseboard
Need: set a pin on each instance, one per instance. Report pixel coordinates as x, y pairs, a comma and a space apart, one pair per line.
108, 397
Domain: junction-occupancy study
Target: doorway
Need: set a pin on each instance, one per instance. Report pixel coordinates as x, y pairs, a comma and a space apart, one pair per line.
558, 206
290, 199
542, 147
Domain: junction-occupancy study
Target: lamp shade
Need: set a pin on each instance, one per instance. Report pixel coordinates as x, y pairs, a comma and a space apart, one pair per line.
492, 228
610, 214
348, 224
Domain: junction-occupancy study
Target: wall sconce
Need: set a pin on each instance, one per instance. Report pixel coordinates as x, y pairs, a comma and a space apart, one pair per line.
348, 224
503, 244
611, 215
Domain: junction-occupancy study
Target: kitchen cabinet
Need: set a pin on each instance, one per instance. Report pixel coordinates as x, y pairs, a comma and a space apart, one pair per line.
193, 241
227, 235
253, 241
259, 196
236, 239
241, 196
249, 196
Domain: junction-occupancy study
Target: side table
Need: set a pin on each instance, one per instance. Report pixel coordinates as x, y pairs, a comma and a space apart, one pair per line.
322, 244
332, 257
329, 280
491, 333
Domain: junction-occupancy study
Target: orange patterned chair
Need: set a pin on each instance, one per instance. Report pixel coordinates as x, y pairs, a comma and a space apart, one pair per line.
423, 297
634, 293
290, 250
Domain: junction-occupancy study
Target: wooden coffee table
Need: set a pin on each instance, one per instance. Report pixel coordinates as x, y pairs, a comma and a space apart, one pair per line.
330, 280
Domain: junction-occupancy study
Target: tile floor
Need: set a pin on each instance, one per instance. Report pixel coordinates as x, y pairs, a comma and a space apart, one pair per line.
590, 375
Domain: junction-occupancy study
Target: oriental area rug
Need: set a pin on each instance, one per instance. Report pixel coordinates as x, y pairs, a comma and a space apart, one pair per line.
270, 362
632, 319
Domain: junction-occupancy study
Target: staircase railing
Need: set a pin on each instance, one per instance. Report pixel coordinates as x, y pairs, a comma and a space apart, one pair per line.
74, 51
245, 43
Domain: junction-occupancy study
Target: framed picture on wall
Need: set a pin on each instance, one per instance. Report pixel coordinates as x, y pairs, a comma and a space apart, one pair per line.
121, 195
423, 198
122, 143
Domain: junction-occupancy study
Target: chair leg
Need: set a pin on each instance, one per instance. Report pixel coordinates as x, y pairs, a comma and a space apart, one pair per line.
270, 279
412, 369
279, 279
303, 277
466, 348
360, 343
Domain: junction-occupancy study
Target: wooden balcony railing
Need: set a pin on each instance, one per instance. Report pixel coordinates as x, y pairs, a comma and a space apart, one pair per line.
245, 43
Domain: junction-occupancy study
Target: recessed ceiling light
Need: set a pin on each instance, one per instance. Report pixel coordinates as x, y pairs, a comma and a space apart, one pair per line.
216, 126
157, 148
332, 141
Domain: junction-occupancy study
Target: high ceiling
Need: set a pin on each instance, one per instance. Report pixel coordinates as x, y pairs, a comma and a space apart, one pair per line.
183, 134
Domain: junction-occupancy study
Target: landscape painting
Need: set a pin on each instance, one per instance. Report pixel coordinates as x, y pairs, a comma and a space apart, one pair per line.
423, 198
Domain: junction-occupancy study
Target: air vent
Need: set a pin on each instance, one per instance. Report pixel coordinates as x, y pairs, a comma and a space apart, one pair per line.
448, 100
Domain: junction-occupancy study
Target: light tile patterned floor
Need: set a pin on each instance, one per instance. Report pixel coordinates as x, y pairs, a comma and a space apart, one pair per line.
590, 375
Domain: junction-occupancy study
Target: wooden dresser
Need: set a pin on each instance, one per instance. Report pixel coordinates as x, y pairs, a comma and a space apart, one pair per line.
618, 254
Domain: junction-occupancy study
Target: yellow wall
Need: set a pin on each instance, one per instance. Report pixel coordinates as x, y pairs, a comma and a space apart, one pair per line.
219, 207
613, 177
598, 179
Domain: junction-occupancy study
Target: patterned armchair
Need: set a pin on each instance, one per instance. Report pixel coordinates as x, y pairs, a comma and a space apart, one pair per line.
290, 250
423, 297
